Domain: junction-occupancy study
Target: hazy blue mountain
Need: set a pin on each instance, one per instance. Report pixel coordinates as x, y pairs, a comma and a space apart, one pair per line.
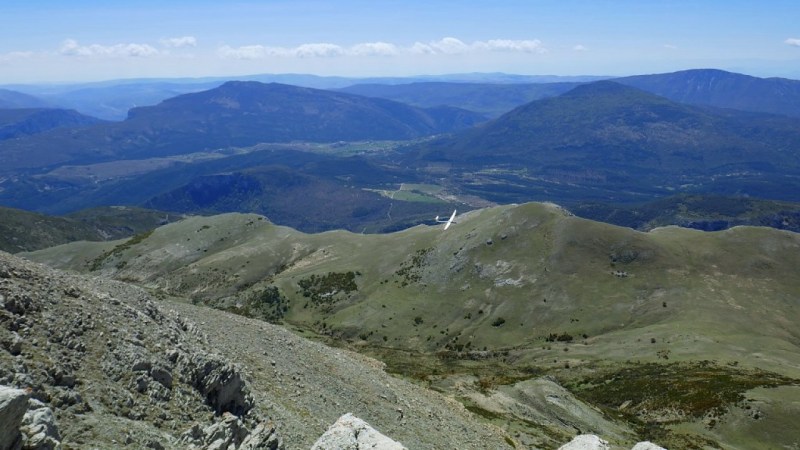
723, 90
23, 122
235, 114
622, 139
112, 99
14, 99
492, 99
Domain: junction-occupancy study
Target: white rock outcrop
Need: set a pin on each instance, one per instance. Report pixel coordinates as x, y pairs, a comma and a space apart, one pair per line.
13, 405
352, 433
585, 442
647, 446
592, 442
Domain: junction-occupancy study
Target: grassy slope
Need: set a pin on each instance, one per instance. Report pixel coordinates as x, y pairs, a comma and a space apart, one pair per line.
670, 296
27, 231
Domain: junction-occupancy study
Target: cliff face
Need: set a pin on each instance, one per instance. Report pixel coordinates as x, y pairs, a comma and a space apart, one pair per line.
113, 367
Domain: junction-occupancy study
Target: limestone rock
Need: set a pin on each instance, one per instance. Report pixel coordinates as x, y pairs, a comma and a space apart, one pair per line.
231, 433
352, 433
647, 446
39, 427
262, 437
13, 404
219, 382
585, 442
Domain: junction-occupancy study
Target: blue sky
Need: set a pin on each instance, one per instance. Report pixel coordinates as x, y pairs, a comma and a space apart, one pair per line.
53, 41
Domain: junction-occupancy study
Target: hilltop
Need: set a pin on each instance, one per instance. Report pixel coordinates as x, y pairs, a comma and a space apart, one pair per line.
723, 89
508, 294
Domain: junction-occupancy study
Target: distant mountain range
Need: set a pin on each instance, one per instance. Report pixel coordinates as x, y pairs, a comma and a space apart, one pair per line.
723, 90
112, 99
493, 99
13, 99
15, 123
235, 114
224, 149
624, 141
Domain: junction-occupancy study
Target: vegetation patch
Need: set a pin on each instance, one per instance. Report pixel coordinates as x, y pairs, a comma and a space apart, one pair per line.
268, 304
694, 390
96, 263
327, 289
411, 269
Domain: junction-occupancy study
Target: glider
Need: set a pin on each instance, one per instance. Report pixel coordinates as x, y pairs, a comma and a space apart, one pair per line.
447, 222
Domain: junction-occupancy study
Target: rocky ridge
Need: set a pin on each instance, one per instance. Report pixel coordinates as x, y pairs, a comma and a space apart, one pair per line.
113, 368
118, 369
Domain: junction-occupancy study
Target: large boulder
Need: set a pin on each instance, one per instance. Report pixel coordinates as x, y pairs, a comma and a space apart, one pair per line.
647, 446
39, 427
352, 433
13, 404
585, 442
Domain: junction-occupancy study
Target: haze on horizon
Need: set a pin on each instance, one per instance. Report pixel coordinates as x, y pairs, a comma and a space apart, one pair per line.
52, 41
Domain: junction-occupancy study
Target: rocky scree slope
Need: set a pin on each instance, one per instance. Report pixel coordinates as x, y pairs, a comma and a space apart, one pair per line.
119, 370
115, 369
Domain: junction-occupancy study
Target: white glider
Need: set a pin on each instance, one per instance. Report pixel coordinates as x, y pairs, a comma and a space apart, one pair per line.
447, 222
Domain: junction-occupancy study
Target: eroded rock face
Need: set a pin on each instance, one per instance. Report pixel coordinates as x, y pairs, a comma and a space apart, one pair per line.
352, 433
231, 432
99, 354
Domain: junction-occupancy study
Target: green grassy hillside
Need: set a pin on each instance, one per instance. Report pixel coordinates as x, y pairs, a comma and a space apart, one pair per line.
513, 292
27, 231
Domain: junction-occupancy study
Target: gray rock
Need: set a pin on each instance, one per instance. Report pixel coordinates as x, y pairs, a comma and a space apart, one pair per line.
15, 344
647, 446
13, 404
352, 433
219, 382
231, 433
39, 428
262, 437
585, 442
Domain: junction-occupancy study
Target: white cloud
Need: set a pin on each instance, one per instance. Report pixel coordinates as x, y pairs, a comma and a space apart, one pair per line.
374, 49
318, 50
526, 46
70, 47
580, 48
793, 42
670, 46
244, 52
450, 46
261, 51
453, 46
178, 42
445, 46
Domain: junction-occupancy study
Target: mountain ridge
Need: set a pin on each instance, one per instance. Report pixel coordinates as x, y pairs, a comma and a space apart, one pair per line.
723, 89
234, 115
507, 294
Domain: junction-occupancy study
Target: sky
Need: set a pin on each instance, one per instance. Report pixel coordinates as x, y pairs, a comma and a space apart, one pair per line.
94, 40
